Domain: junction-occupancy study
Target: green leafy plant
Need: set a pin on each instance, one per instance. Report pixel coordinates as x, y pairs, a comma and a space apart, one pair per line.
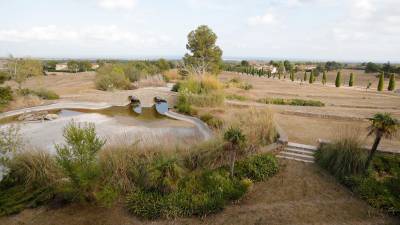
77, 158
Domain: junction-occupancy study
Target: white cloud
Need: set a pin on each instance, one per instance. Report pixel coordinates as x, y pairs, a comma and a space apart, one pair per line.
117, 4
84, 35
269, 18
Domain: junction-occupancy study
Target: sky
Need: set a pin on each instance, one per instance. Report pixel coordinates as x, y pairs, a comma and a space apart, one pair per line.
317, 30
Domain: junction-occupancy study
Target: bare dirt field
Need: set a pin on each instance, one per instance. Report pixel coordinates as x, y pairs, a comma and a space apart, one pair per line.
344, 107
317, 199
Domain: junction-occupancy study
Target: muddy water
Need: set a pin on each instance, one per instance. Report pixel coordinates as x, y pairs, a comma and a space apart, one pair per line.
119, 125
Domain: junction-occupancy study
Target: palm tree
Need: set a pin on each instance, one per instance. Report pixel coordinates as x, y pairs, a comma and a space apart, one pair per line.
235, 139
383, 126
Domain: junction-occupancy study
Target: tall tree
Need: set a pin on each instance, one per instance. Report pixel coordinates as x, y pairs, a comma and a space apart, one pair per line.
292, 75
324, 77
235, 140
392, 83
381, 82
281, 69
311, 80
205, 55
305, 76
351, 80
338, 81
383, 125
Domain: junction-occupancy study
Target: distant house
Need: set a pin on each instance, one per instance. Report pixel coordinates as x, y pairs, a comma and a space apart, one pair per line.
268, 68
95, 66
61, 67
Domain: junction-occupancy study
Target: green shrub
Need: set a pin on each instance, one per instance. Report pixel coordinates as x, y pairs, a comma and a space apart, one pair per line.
176, 87
78, 161
342, 158
111, 77
392, 82
198, 194
381, 186
381, 82
212, 99
297, 102
46, 94
6, 95
257, 167
4, 76
351, 80
338, 81
183, 105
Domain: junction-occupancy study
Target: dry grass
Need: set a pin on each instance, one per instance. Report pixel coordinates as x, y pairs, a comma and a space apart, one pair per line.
172, 75
257, 124
151, 81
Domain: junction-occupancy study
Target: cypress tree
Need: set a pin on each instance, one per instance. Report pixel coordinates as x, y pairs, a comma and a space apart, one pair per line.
338, 81
392, 83
305, 76
311, 80
381, 82
292, 75
351, 81
324, 78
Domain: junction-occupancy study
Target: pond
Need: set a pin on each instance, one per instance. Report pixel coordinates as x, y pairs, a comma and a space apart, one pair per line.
119, 125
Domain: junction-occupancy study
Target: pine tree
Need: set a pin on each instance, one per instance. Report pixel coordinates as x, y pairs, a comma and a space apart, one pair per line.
311, 80
305, 76
351, 81
392, 83
381, 82
338, 81
324, 78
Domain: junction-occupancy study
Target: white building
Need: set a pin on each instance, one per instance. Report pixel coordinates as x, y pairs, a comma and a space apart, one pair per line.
61, 66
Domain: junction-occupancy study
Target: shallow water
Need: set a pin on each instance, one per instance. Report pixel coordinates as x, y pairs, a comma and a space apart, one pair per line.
118, 125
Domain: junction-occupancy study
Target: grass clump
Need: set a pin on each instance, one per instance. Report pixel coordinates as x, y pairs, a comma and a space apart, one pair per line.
257, 124
6, 95
31, 181
212, 121
257, 168
343, 157
41, 93
236, 97
296, 102
198, 193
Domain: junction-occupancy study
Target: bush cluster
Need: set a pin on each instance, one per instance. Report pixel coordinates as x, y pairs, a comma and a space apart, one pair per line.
6, 95
380, 186
157, 182
202, 192
297, 102
41, 93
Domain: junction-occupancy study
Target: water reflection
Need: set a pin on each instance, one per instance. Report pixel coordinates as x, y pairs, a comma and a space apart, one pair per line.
161, 107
